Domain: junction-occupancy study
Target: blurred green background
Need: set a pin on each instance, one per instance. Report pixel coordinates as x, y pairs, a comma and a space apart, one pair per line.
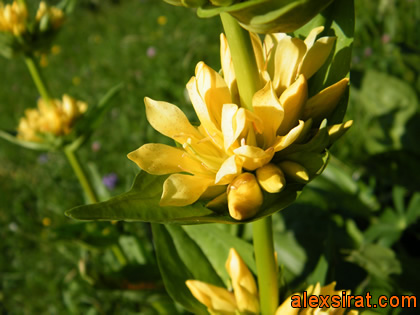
356, 224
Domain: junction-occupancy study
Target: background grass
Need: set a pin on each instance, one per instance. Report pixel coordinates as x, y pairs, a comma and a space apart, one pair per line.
365, 207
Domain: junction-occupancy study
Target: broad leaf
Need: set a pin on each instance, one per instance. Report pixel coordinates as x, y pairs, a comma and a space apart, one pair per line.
196, 253
141, 203
173, 270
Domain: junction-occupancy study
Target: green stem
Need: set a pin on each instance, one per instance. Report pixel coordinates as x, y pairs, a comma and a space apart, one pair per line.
81, 175
266, 265
249, 82
38, 78
243, 57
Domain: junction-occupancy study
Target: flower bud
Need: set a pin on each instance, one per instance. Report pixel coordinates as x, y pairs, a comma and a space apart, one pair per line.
244, 197
216, 299
243, 283
271, 178
295, 171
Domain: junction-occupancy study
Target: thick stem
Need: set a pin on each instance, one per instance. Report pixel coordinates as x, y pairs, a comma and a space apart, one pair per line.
81, 175
266, 265
38, 78
249, 82
243, 57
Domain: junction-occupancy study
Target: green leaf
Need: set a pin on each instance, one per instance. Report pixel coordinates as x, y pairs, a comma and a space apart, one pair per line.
173, 269
141, 203
196, 252
26, 144
216, 243
268, 16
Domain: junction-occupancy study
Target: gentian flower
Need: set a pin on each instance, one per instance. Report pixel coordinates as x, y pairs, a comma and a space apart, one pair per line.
235, 155
53, 118
244, 298
13, 18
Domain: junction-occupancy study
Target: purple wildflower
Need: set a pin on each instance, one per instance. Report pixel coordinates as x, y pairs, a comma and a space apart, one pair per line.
110, 180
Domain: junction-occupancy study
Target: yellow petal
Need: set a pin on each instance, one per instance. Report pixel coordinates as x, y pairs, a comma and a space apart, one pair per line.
181, 190
336, 131
258, 50
271, 178
169, 120
254, 157
286, 308
228, 70
293, 101
295, 171
283, 142
310, 39
243, 283
230, 168
230, 128
323, 104
269, 49
214, 93
288, 56
219, 203
208, 122
268, 108
160, 159
216, 299
244, 197
316, 56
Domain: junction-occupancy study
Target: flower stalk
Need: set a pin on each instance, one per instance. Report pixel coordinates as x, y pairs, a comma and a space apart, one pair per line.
81, 175
248, 80
244, 63
37, 77
266, 265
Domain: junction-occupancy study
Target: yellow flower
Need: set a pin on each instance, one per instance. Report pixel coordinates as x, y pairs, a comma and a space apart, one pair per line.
13, 18
235, 153
244, 299
287, 309
219, 300
162, 20
56, 118
51, 14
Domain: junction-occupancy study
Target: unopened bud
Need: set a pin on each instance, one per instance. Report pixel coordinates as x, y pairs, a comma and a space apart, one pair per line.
244, 197
295, 171
243, 283
271, 178
216, 299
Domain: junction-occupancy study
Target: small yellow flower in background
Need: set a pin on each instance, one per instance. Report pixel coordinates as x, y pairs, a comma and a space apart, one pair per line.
56, 49
219, 300
237, 154
43, 61
46, 221
13, 18
328, 290
162, 20
51, 14
56, 118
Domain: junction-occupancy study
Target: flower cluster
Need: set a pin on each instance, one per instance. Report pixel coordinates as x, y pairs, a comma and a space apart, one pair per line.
236, 154
244, 298
20, 34
13, 18
55, 118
